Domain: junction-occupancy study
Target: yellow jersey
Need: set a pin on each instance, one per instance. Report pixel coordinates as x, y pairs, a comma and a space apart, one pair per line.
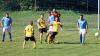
29, 31
41, 23
55, 26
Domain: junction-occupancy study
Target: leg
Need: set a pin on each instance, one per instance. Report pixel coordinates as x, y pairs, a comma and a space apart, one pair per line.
3, 36
49, 38
46, 37
9, 32
34, 41
41, 35
10, 37
53, 37
24, 43
34, 44
83, 38
80, 38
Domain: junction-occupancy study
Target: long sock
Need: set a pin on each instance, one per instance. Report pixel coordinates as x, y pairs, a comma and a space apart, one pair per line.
46, 37
10, 37
3, 36
81, 38
24, 43
34, 44
41, 35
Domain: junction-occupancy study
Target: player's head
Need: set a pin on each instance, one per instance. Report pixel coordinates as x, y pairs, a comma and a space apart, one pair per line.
49, 13
7, 14
30, 22
42, 16
81, 16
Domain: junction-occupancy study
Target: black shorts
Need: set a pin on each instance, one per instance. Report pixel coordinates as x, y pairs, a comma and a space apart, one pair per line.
53, 34
41, 30
31, 38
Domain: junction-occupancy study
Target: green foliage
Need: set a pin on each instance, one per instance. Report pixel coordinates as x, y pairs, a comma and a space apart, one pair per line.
12, 5
77, 5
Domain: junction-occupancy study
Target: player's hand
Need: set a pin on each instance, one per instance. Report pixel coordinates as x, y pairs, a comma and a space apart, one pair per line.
86, 31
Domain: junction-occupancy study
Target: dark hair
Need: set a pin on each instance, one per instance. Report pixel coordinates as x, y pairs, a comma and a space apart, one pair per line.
81, 15
7, 13
31, 22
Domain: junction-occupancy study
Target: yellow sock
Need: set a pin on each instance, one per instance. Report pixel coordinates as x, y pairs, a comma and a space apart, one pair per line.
34, 45
24, 44
41, 37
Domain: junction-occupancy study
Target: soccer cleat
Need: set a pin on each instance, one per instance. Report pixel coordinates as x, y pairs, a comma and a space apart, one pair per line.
10, 40
23, 47
2, 40
34, 47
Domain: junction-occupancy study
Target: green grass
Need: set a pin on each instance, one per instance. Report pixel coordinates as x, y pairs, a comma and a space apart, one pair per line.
68, 38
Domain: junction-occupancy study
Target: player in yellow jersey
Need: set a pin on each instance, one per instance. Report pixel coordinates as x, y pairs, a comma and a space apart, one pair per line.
29, 34
41, 23
54, 30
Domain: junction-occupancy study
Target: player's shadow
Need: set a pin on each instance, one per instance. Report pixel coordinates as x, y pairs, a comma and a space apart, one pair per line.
68, 43
74, 43
50, 48
72, 30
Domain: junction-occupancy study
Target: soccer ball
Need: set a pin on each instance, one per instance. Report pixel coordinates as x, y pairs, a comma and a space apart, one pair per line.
96, 34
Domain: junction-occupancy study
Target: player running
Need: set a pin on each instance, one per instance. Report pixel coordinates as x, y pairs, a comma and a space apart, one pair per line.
6, 23
29, 34
41, 23
82, 27
53, 30
51, 18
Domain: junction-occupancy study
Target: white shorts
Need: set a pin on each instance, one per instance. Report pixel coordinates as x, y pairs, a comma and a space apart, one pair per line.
82, 31
50, 28
7, 29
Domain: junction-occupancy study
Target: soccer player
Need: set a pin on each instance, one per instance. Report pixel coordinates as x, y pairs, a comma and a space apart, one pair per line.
6, 23
54, 30
41, 23
82, 27
29, 34
56, 14
51, 17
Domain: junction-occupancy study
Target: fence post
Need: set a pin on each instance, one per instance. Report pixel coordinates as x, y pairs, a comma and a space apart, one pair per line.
98, 15
35, 5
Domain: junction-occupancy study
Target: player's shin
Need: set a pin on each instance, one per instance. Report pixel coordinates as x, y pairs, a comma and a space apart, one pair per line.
3, 36
41, 35
34, 44
83, 38
24, 43
10, 37
80, 38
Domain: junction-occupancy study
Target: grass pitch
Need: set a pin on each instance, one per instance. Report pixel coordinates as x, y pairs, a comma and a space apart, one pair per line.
68, 39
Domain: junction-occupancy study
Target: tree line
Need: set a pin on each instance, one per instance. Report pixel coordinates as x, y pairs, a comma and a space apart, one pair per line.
80, 5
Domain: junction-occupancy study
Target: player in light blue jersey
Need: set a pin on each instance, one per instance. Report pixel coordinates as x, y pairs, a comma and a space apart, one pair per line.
51, 17
6, 24
82, 27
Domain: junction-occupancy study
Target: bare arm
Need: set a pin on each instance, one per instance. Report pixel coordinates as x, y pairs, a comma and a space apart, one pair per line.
86, 27
78, 25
